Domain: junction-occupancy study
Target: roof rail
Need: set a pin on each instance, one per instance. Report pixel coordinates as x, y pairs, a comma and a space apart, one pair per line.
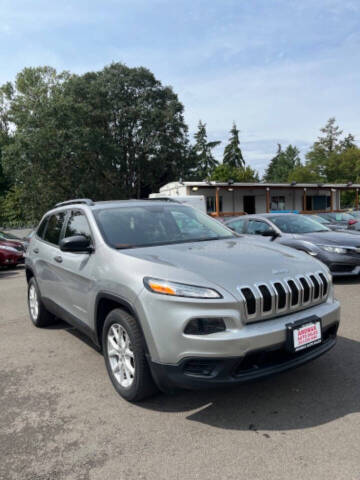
86, 201
163, 199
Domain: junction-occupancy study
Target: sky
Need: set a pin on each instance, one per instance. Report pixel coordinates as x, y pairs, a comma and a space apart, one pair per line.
278, 68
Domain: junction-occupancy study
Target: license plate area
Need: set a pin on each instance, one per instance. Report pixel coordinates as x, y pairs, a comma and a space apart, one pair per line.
303, 334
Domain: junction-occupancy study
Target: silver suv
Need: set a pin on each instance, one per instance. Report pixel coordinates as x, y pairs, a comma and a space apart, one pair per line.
176, 299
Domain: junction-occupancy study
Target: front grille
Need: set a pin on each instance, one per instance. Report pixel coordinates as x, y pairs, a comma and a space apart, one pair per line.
279, 297
250, 300
325, 283
266, 294
294, 292
316, 285
306, 290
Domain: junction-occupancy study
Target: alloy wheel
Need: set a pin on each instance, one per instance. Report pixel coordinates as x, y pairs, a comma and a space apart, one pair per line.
33, 302
121, 355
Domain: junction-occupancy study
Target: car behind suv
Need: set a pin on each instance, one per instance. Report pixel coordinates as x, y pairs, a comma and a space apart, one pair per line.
175, 298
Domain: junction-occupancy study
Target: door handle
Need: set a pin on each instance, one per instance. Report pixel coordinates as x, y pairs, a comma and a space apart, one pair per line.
36, 250
58, 259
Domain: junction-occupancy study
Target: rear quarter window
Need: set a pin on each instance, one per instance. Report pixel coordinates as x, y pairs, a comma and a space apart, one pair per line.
54, 227
41, 228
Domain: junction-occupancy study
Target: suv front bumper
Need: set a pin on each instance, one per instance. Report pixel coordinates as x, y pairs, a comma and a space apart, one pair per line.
198, 373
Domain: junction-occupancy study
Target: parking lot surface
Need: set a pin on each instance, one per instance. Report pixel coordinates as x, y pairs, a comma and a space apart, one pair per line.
62, 419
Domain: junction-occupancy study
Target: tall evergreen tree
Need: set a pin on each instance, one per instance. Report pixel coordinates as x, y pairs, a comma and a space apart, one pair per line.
282, 165
204, 160
232, 152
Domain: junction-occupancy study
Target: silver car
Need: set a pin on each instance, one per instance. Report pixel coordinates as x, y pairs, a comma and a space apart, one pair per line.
175, 298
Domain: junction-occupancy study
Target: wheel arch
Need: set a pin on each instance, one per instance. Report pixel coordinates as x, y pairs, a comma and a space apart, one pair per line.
106, 302
29, 274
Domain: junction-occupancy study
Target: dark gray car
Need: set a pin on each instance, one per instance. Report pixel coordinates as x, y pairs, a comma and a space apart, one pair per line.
332, 225
339, 250
341, 219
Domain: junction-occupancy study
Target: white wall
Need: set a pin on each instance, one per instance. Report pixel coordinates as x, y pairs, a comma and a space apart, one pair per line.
293, 197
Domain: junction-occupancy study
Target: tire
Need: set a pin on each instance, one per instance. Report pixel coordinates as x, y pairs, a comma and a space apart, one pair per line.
40, 317
124, 352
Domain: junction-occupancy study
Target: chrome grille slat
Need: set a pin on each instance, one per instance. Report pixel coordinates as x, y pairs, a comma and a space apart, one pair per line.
281, 296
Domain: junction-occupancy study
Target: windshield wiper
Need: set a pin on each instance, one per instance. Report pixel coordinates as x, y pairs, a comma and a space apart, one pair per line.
121, 246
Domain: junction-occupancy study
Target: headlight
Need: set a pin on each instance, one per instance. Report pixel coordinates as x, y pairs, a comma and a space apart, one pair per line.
179, 289
332, 249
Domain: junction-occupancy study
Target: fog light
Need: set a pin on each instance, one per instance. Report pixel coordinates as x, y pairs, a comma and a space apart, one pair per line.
204, 326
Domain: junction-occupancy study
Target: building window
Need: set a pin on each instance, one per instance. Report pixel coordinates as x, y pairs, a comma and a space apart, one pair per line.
318, 202
211, 204
278, 203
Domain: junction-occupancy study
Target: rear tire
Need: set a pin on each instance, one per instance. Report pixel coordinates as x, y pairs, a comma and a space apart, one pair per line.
40, 317
124, 352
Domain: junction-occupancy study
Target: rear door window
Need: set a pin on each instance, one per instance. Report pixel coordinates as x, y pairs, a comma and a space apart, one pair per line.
54, 227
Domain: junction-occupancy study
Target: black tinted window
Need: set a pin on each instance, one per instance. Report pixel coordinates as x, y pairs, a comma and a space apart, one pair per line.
41, 229
78, 225
54, 226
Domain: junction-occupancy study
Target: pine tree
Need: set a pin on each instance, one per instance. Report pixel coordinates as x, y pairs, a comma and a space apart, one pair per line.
232, 153
202, 150
282, 165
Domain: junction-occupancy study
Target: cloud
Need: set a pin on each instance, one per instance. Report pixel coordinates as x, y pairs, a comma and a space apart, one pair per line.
279, 69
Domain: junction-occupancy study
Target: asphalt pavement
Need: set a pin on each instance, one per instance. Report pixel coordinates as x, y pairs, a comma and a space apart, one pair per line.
60, 417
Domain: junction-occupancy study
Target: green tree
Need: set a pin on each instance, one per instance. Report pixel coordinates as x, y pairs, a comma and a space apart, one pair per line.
205, 163
224, 173
116, 133
344, 167
327, 144
232, 152
283, 164
323, 161
304, 174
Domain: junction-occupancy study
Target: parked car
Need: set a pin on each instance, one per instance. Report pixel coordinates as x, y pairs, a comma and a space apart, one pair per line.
354, 227
176, 299
10, 257
340, 251
18, 246
341, 218
27, 238
329, 224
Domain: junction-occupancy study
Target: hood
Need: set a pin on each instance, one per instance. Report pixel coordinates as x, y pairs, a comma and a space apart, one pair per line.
226, 263
11, 243
331, 238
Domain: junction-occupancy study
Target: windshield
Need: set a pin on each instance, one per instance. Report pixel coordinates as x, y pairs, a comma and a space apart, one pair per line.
145, 226
297, 224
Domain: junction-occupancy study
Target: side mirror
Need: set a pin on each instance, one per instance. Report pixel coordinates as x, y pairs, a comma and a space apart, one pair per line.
76, 244
270, 233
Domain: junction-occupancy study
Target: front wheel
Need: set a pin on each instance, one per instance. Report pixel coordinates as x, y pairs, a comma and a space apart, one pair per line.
38, 313
124, 352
